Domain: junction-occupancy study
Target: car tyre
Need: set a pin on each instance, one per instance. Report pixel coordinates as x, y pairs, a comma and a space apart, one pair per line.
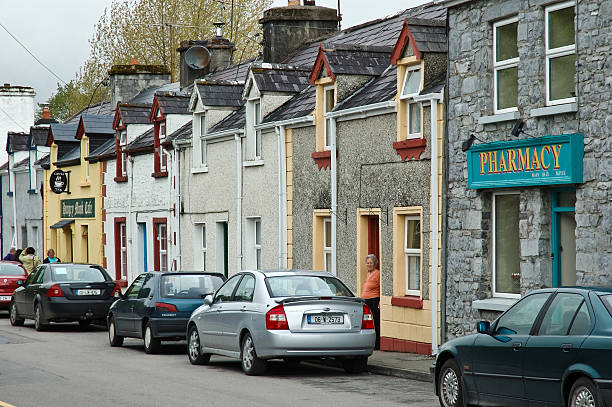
584, 393
16, 320
252, 365
358, 364
39, 325
194, 352
450, 386
114, 339
151, 344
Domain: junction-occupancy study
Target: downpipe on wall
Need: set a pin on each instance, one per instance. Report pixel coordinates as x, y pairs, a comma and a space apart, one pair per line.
238, 143
282, 198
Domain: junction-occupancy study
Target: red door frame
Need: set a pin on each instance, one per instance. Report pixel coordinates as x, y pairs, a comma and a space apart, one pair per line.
117, 239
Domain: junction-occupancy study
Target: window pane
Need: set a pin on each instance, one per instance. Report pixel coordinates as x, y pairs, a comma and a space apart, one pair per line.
203, 151
258, 232
225, 292
328, 262
294, 286
413, 234
560, 314
245, 289
582, 321
561, 28
259, 259
507, 88
258, 143
327, 132
507, 268
561, 77
505, 42
412, 83
415, 118
329, 100
520, 317
257, 107
203, 125
203, 237
328, 233
413, 275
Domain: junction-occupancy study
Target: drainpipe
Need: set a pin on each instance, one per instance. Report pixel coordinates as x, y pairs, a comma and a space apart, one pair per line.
238, 140
177, 208
128, 221
282, 198
334, 192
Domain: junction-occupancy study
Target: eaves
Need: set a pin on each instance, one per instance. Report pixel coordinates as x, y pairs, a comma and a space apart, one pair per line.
450, 3
68, 163
224, 133
140, 151
302, 121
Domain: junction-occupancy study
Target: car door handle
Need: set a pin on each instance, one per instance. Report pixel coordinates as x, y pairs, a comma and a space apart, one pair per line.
243, 309
566, 347
517, 346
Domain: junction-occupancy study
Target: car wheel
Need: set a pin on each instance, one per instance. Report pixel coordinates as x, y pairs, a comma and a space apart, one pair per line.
449, 385
251, 364
196, 357
583, 394
151, 344
114, 339
14, 316
39, 325
358, 364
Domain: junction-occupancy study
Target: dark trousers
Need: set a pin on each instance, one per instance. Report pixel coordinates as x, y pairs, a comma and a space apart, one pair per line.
373, 303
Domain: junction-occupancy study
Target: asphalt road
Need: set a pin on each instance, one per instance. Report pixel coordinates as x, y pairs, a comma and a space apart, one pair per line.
71, 366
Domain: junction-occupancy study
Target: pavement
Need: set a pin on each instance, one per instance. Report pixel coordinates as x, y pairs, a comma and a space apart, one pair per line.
405, 365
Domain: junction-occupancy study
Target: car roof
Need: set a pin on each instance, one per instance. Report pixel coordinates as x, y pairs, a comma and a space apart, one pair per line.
205, 273
71, 264
578, 289
293, 272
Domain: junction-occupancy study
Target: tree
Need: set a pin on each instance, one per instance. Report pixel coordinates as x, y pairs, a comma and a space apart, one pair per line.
151, 31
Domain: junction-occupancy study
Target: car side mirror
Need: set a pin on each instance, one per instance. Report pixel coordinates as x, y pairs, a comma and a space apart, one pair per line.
483, 327
208, 299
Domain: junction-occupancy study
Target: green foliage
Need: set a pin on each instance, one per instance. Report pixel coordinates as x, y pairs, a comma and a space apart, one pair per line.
69, 99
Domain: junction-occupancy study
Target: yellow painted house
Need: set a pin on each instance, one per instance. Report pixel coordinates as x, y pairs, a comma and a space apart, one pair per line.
73, 218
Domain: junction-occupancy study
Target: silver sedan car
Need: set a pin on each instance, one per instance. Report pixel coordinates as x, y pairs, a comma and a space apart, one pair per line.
293, 315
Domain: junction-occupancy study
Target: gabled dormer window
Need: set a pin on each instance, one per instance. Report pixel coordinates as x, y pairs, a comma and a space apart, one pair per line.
160, 158
411, 87
122, 147
329, 101
32, 160
256, 121
203, 140
163, 157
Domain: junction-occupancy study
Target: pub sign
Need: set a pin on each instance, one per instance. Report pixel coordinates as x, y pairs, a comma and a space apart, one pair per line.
58, 181
78, 208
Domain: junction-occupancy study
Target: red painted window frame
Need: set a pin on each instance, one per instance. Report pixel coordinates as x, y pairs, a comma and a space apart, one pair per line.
117, 238
156, 246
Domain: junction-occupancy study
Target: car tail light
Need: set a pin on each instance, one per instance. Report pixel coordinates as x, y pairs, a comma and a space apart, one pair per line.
55, 291
165, 307
276, 318
116, 291
367, 321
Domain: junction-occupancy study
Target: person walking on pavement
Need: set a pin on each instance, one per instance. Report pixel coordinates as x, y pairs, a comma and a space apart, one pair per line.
29, 259
371, 292
51, 257
11, 255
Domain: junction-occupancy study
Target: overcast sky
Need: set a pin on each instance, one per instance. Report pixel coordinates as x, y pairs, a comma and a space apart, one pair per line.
57, 33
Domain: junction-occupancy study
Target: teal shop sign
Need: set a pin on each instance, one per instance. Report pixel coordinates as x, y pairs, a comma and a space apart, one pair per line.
78, 208
548, 160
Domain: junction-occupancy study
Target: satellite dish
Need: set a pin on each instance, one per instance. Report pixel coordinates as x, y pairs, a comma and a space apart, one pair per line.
197, 57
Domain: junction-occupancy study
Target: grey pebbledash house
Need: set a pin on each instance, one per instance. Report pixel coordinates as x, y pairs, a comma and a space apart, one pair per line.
529, 152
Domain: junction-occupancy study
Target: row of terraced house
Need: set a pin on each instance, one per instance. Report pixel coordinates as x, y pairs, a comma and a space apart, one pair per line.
465, 143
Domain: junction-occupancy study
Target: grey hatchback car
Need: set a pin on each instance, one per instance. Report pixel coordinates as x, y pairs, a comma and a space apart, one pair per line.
292, 315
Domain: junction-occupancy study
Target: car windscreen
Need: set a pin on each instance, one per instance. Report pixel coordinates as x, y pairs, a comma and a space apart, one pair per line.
10, 270
607, 300
306, 286
78, 273
189, 285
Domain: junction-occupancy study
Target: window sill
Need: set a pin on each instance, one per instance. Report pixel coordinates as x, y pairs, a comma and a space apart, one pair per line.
322, 159
499, 117
123, 178
161, 174
199, 170
32, 191
409, 301
252, 163
556, 109
121, 283
493, 304
410, 148
85, 184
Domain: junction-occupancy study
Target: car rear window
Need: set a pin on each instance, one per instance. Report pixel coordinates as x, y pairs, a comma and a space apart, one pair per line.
10, 270
189, 285
607, 300
306, 286
78, 273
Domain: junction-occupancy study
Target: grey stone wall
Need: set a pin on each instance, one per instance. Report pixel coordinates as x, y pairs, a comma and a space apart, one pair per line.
470, 95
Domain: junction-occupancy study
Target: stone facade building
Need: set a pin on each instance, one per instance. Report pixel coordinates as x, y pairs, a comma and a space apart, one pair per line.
530, 153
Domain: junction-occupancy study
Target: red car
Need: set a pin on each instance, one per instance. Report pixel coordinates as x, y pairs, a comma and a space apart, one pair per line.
12, 275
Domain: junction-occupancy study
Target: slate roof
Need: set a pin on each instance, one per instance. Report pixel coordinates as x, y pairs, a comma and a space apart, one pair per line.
280, 78
134, 113
236, 72
98, 124
146, 95
182, 133
144, 141
23, 164
104, 151
379, 89
39, 135
44, 161
219, 93
358, 60
236, 120
435, 86
173, 103
103, 108
64, 132
72, 157
17, 141
299, 106
430, 36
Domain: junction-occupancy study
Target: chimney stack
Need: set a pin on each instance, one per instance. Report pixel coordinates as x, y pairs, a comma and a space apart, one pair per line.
285, 29
127, 80
220, 51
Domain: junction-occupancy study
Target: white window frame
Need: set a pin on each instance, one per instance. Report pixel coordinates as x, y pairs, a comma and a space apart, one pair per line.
501, 65
85, 155
202, 142
123, 143
257, 245
410, 252
410, 103
557, 52
163, 253
256, 121
254, 248
326, 249
494, 262
326, 121
123, 249
203, 245
162, 153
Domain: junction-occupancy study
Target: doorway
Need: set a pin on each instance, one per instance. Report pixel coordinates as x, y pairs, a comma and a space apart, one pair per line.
142, 247
563, 239
222, 251
68, 241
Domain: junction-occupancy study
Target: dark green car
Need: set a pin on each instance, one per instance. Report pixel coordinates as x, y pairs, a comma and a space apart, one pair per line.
551, 348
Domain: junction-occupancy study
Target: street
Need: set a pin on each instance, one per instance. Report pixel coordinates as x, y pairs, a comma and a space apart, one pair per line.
72, 366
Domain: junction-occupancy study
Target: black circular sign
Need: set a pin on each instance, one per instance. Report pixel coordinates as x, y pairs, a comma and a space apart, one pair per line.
58, 181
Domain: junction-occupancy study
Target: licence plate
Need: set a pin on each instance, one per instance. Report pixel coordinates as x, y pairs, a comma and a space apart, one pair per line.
5, 297
88, 292
325, 319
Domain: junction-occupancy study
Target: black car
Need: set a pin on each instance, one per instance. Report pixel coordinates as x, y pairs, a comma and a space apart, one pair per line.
64, 292
157, 306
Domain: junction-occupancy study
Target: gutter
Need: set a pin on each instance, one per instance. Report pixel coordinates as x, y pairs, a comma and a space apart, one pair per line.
288, 122
230, 132
450, 3
366, 110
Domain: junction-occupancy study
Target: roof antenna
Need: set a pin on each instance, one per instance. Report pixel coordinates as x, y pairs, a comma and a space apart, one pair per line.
339, 17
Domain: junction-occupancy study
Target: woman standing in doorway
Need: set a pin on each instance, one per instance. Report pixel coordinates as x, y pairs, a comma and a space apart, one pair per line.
371, 292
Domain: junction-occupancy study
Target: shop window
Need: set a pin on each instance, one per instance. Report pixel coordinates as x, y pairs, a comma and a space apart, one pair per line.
322, 240
560, 54
506, 245
505, 65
